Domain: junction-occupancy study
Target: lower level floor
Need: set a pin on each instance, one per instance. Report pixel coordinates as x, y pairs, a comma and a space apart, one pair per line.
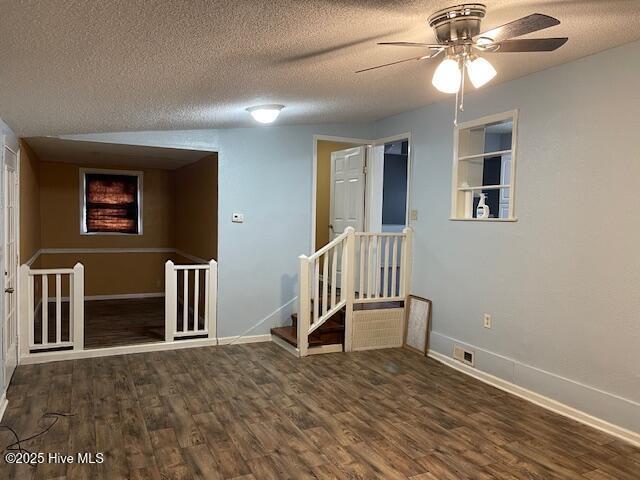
254, 411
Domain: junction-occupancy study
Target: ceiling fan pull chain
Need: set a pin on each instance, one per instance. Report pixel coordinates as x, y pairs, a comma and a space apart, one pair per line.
455, 110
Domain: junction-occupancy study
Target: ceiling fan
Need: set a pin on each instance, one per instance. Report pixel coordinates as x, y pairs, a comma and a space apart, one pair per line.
460, 39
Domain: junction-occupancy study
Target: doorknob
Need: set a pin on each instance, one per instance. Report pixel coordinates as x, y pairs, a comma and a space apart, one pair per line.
331, 226
9, 290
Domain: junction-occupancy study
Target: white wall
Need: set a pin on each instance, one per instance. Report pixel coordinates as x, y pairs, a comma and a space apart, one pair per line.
562, 283
265, 173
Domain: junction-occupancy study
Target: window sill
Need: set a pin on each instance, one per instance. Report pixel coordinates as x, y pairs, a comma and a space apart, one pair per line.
483, 219
112, 234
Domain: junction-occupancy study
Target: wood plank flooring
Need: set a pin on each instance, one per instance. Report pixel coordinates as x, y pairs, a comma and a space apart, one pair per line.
111, 323
256, 412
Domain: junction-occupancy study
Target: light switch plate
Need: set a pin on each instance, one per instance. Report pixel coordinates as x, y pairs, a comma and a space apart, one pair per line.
413, 215
237, 218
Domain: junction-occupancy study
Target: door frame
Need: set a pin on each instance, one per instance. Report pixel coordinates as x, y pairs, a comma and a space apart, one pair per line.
314, 185
373, 175
11, 143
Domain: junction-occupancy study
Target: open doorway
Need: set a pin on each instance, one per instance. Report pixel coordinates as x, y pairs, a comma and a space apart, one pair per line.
360, 183
121, 212
395, 185
339, 187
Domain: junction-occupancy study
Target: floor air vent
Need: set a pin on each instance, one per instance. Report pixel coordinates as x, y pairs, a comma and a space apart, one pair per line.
463, 355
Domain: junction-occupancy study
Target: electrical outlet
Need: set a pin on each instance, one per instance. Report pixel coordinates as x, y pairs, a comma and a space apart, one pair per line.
487, 320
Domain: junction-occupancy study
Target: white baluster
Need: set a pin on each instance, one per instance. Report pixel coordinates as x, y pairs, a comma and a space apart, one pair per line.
185, 301
58, 308
334, 274
45, 309
394, 268
325, 283
316, 290
386, 265
196, 299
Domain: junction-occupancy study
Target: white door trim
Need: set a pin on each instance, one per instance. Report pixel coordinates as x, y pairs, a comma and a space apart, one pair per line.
314, 185
16, 228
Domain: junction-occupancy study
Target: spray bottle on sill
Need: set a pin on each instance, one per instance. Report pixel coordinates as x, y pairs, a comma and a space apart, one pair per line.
482, 211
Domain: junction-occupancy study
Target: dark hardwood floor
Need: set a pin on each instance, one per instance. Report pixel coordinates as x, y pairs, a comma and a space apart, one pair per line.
256, 412
111, 323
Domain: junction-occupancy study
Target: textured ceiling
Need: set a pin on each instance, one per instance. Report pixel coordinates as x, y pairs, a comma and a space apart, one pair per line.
112, 155
74, 66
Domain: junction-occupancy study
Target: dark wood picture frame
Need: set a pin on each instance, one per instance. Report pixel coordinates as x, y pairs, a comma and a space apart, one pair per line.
426, 321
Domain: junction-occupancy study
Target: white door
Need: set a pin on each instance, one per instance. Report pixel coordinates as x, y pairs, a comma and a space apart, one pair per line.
10, 344
347, 190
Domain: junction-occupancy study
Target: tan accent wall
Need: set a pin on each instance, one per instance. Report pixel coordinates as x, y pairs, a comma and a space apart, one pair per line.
107, 273
30, 234
50, 201
323, 191
60, 210
114, 273
196, 206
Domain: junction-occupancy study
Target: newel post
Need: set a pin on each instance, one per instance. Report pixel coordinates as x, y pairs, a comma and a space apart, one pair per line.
77, 298
407, 260
350, 270
304, 308
170, 300
212, 296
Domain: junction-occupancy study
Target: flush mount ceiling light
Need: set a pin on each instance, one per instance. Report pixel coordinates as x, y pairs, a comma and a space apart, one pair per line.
457, 31
265, 113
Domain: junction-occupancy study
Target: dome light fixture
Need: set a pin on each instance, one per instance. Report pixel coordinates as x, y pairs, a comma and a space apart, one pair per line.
265, 113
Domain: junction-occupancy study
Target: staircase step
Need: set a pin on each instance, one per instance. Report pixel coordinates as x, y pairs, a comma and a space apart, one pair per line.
288, 334
329, 333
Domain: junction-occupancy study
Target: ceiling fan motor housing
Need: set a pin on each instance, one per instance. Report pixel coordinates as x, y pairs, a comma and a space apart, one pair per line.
459, 24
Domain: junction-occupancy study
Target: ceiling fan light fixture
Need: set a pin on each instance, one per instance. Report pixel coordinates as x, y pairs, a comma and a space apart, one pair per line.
265, 113
447, 77
480, 71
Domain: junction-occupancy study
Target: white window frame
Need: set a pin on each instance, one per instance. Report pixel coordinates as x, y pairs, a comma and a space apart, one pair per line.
496, 118
83, 195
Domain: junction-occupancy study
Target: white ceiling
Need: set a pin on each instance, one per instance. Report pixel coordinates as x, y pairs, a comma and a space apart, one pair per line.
112, 155
76, 66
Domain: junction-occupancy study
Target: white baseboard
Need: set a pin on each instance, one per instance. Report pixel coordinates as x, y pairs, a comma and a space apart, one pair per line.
540, 400
3, 405
46, 357
244, 339
123, 296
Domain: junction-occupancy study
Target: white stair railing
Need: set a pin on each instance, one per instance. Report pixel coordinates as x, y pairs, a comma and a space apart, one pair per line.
354, 268
46, 295
383, 266
323, 286
195, 287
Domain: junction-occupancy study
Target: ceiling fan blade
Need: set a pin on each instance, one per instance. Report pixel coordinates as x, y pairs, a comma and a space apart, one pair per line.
522, 26
531, 45
424, 57
411, 44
